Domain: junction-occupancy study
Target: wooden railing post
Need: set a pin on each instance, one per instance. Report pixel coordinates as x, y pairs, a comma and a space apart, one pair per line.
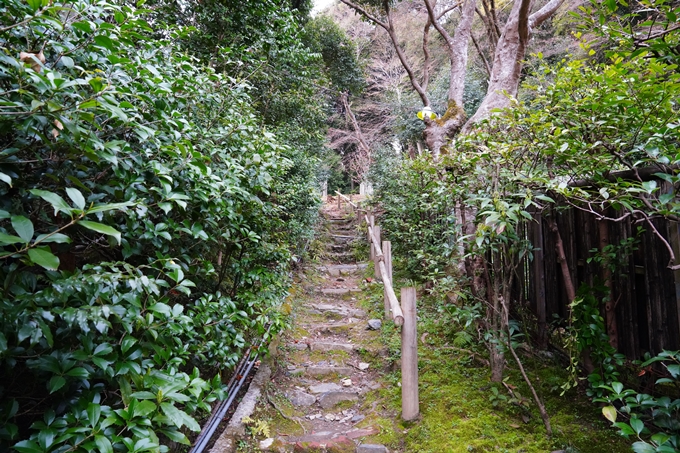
387, 254
371, 224
376, 259
410, 408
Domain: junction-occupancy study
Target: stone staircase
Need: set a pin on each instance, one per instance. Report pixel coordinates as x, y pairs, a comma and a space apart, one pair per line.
325, 370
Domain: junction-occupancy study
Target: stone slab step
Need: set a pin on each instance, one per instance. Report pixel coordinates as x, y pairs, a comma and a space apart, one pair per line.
326, 441
339, 291
325, 346
321, 370
339, 309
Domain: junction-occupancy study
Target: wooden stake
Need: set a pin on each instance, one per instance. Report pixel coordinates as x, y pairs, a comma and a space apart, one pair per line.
410, 409
376, 235
387, 253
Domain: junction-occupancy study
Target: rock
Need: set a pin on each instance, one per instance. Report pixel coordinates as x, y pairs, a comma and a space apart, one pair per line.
301, 399
371, 448
264, 444
363, 366
324, 387
330, 399
374, 324
329, 417
346, 382
357, 418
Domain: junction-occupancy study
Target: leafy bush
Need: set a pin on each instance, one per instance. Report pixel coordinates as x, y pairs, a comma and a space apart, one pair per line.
172, 250
654, 421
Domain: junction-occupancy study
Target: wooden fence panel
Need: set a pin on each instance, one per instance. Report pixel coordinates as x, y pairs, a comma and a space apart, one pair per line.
646, 292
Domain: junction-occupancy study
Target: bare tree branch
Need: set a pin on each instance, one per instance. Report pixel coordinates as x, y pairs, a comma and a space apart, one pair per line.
481, 54
544, 13
365, 13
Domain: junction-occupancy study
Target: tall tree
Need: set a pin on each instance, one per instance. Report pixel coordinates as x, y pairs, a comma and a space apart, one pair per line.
509, 41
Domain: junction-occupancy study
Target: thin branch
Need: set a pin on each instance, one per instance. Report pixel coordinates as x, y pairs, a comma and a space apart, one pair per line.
481, 54
544, 13
365, 13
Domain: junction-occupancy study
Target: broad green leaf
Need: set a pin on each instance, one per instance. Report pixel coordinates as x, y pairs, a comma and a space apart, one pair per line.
176, 436
56, 237
79, 372
58, 203
27, 446
6, 179
34, 4
66, 61
144, 408
3, 343
101, 228
105, 42
179, 417
144, 395
162, 308
637, 425
94, 412
109, 207
666, 198
44, 258
10, 239
4, 214
643, 447
23, 227
609, 413
77, 197
103, 444
56, 382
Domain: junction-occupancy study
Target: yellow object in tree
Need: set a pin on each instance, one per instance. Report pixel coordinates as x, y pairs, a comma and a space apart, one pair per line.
426, 112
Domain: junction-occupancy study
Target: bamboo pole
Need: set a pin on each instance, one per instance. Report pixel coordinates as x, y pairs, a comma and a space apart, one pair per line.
387, 252
409, 357
397, 313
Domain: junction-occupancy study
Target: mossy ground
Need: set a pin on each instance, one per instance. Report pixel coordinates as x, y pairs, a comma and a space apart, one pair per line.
459, 409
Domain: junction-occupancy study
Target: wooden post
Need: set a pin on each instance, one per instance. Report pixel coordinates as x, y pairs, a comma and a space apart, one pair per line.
410, 408
339, 201
376, 259
370, 230
387, 254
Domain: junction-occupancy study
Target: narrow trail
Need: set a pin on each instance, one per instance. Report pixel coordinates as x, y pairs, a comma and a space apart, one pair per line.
325, 376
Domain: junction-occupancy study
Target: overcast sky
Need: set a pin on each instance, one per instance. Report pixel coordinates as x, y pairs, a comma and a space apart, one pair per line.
320, 5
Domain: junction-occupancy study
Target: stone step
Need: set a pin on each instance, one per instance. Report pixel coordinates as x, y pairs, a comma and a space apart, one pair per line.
340, 310
336, 270
322, 370
330, 441
339, 291
325, 346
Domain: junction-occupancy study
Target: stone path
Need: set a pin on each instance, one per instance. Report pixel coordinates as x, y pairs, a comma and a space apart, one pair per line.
324, 378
